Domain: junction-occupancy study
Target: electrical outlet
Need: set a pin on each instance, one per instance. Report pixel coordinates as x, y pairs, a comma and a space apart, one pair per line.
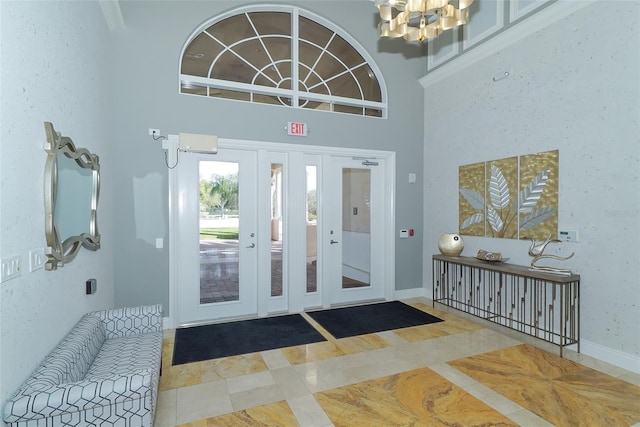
37, 259
154, 132
10, 268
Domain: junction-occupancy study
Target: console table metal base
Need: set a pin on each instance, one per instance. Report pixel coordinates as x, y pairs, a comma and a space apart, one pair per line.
539, 304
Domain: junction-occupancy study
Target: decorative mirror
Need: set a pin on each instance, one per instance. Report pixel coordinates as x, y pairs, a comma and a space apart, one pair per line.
72, 184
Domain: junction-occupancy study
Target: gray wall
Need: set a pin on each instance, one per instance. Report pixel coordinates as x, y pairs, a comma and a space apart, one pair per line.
55, 60
570, 89
146, 64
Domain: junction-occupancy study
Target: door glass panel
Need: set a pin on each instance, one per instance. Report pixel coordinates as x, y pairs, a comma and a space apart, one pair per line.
356, 227
276, 229
219, 230
312, 228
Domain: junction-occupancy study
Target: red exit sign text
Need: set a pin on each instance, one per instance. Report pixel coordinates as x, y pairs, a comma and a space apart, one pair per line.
297, 129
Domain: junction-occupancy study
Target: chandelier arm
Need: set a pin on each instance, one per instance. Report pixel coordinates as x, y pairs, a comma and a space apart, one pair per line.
420, 20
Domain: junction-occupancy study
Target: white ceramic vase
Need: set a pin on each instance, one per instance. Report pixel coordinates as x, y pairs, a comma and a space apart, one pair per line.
451, 244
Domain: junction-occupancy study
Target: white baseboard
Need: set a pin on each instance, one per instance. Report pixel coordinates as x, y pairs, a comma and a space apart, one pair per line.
411, 293
609, 355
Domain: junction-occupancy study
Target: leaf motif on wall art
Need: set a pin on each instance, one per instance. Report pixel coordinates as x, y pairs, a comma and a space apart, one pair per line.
499, 189
494, 219
510, 197
529, 196
475, 199
535, 218
473, 219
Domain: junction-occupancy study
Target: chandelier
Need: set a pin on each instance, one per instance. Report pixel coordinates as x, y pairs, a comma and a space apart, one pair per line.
419, 20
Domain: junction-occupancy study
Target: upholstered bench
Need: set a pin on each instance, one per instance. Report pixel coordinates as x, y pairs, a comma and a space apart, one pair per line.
104, 372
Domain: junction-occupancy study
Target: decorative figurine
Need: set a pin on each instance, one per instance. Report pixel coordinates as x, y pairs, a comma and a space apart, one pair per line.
536, 250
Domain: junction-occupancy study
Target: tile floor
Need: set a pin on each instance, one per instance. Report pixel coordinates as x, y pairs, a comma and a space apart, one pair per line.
457, 372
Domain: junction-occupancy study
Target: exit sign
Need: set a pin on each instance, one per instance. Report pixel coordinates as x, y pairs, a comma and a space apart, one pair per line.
297, 128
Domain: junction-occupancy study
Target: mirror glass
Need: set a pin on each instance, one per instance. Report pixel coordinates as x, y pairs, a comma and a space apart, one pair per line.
71, 199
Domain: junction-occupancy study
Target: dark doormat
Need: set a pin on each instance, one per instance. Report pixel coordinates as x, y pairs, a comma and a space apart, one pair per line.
370, 318
206, 342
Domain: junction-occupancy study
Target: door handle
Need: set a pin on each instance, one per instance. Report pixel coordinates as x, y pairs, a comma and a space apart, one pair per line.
253, 245
333, 242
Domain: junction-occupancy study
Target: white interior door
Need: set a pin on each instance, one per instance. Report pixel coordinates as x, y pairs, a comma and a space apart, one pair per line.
354, 234
217, 236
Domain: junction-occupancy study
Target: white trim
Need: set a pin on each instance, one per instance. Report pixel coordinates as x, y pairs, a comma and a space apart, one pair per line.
609, 355
537, 22
515, 12
411, 293
612, 356
266, 90
294, 93
499, 24
112, 14
172, 157
432, 61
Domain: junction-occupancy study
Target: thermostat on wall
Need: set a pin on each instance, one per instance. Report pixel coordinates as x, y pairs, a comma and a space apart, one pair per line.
568, 235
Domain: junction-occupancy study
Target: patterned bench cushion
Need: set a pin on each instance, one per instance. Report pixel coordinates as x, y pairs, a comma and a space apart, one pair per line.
104, 372
120, 356
70, 359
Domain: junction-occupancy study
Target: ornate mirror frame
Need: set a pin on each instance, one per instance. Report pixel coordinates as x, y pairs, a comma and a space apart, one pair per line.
61, 251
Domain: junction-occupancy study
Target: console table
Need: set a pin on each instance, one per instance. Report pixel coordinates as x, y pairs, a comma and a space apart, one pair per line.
543, 305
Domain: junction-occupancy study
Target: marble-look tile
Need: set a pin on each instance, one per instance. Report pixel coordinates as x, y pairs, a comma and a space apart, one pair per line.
410, 398
318, 376
274, 359
250, 381
312, 352
382, 379
308, 412
180, 376
560, 391
289, 382
202, 401
274, 414
256, 396
233, 366
361, 343
166, 409
392, 338
420, 333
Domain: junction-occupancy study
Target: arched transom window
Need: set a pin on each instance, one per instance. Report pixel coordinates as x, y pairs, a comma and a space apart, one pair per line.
282, 55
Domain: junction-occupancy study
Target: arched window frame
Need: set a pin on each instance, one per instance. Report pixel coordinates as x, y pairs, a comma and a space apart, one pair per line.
295, 94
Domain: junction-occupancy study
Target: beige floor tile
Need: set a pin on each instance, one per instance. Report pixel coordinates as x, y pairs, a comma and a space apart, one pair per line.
289, 382
274, 359
202, 401
257, 396
166, 409
308, 412
250, 381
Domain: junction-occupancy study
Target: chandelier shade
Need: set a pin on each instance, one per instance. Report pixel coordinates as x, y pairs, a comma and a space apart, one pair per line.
420, 20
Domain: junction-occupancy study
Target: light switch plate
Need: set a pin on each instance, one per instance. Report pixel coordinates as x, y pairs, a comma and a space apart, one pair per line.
11, 268
37, 259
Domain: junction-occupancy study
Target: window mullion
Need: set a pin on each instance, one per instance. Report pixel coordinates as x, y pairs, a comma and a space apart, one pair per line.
295, 25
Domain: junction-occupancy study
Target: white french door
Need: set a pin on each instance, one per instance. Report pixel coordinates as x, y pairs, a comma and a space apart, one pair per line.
308, 229
354, 231
217, 256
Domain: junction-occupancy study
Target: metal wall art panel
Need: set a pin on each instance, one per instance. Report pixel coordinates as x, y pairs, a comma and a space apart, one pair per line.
510, 198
